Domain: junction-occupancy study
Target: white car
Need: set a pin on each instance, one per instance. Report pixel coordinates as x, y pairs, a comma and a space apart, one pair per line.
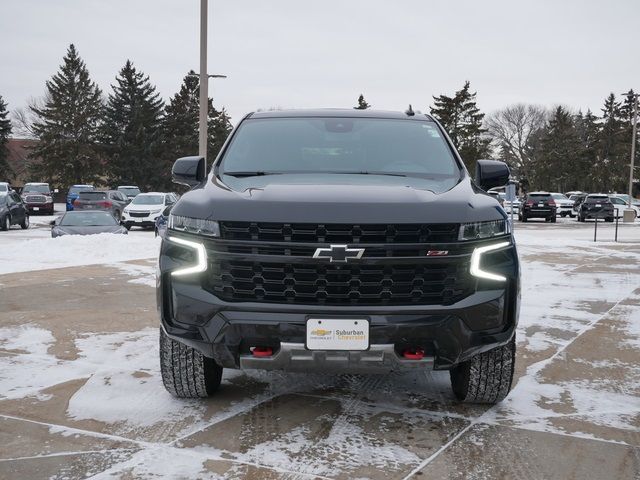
4, 187
145, 208
564, 205
507, 205
620, 205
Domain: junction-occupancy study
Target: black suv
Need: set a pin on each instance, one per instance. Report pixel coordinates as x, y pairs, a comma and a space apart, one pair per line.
538, 205
338, 241
596, 206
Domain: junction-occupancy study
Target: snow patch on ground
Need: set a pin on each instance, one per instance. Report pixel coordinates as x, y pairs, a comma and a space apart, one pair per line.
21, 255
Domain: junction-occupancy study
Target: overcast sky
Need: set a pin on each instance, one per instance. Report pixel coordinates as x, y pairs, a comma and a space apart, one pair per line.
324, 53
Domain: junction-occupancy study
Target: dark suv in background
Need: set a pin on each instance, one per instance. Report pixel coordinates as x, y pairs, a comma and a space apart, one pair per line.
338, 241
538, 205
596, 206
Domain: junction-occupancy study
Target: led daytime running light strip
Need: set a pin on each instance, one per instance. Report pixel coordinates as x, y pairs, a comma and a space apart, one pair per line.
476, 271
201, 264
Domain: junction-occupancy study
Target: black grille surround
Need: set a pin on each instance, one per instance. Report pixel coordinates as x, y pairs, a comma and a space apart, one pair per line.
285, 272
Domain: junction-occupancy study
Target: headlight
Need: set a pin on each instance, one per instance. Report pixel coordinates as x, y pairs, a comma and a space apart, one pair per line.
201, 259
157, 210
476, 256
478, 230
48, 199
194, 225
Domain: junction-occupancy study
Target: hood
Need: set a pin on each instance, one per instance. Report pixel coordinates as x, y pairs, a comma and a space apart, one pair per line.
88, 230
339, 199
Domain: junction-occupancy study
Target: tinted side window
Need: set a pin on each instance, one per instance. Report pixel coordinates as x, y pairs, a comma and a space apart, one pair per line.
16, 198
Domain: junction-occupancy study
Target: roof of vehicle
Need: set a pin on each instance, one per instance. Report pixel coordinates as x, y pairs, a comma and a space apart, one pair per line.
36, 183
597, 195
539, 193
82, 185
127, 186
153, 193
339, 112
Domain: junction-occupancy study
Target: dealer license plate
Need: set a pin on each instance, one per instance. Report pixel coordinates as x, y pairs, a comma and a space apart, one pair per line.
337, 334
35, 209
598, 205
541, 204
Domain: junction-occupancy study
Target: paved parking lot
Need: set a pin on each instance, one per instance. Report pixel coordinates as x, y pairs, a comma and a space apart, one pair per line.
80, 393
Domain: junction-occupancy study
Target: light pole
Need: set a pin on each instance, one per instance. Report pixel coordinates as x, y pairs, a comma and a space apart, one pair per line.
633, 145
204, 93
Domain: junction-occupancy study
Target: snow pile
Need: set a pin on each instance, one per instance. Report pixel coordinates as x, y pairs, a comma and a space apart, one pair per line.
74, 250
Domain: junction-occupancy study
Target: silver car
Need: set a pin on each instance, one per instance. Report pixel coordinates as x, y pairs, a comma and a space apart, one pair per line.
111, 201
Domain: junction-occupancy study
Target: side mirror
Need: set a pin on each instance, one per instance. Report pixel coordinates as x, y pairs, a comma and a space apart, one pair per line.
55, 190
52, 223
189, 171
491, 173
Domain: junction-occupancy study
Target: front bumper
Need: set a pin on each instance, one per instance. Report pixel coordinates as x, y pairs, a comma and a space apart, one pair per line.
39, 207
148, 221
226, 331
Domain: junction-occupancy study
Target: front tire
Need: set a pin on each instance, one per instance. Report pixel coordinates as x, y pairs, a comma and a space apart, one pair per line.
186, 373
6, 223
553, 219
487, 377
25, 223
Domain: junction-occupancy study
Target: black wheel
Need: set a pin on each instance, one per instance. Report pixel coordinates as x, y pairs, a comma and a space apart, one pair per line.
609, 219
186, 373
487, 377
127, 225
117, 215
524, 218
548, 219
553, 219
25, 223
155, 231
563, 214
6, 223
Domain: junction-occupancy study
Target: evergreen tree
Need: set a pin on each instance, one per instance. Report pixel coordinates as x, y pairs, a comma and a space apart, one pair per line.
180, 125
462, 119
67, 126
5, 131
131, 130
613, 144
588, 172
558, 160
362, 103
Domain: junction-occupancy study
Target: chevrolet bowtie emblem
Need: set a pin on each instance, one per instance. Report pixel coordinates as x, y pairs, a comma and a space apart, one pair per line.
339, 253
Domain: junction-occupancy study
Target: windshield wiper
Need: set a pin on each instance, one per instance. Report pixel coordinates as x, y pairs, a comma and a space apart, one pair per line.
250, 174
389, 174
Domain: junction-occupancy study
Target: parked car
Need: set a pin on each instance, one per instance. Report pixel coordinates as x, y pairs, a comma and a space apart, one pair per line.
577, 200
38, 198
496, 195
538, 205
73, 193
144, 210
596, 205
507, 205
625, 198
620, 206
131, 191
564, 206
13, 211
291, 254
111, 201
573, 192
86, 223
4, 187
162, 221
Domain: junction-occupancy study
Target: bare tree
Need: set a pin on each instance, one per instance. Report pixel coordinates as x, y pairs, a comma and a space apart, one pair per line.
512, 129
23, 118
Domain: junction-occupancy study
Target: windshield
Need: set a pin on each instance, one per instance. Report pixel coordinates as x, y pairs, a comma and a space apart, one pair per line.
35, 189
600, 199
539, 197
129, 191
340, 146
3, 199
87, 219
3, 188
559, 196
148, 200
82, 188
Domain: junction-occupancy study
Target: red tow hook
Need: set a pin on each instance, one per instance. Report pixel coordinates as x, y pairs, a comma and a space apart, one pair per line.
262, 351
413, 354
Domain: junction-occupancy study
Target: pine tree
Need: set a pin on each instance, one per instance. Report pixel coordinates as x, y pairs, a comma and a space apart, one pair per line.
5, 131
180, 125
462, 119
589, 171
67, 126
613, 144
131, 130
558, 161
362, 103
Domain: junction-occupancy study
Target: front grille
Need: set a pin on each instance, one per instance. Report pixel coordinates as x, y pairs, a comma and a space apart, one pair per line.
346, 284
139, 214
36, 199
339, 233
273, 263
